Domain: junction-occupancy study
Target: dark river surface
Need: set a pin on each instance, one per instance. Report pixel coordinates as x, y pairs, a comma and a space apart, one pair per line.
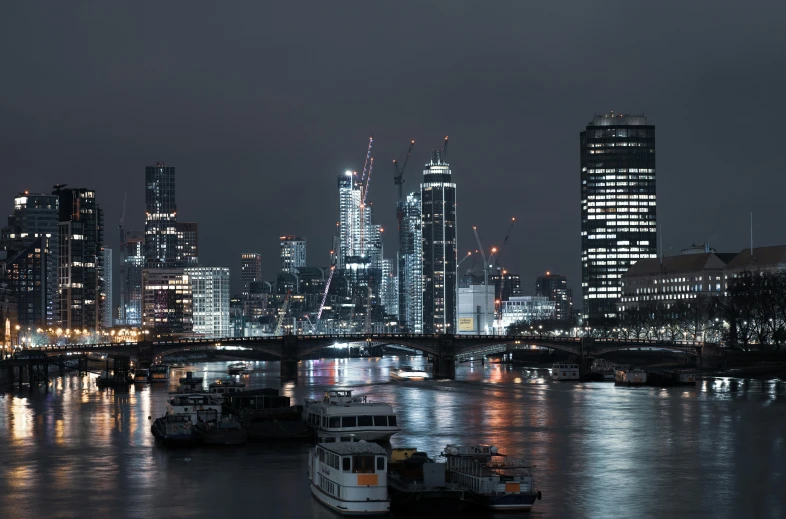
717, 450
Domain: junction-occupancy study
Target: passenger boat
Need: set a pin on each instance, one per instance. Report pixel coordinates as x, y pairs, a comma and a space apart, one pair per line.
190, 383
603, 368
340, 413
496, 481
633, 377
197, 406
408, 373
159, 373
225, 387
267, 416
141, 375
238, 368
350, 477
565, 372
418, 486
175, 430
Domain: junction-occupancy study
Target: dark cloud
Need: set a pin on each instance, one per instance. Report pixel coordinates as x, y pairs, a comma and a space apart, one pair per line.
261, 105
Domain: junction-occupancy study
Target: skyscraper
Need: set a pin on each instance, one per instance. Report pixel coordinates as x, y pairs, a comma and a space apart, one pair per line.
31, 244
210, 300
410, 265
438, 214
166, 301
250, 270
187, 243
555, 287
81, 239
161, 240
293, 253
131, 264
349, 218
618, 224
105, 275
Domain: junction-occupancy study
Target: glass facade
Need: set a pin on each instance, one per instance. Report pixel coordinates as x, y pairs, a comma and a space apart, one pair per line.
250, 270
438, 215
161, 241
210, 301
618, 211
410, 265
187, 243
555, 287
293, 253
167, 301
132, 262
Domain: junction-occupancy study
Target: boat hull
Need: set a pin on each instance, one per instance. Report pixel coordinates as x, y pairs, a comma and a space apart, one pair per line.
221, 436
173, 440
356, 508
428, 501
509, 502
262, 430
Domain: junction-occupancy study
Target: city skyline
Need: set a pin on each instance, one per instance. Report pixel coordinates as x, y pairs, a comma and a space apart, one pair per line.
512, 105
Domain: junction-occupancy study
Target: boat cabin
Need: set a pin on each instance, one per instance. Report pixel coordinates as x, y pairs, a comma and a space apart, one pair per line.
340, 413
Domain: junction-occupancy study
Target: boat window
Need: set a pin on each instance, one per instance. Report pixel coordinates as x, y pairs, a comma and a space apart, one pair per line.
345, 464
380, 464
381, 421
321, 455
363, 464
365, 421
392, 420
349, 421
335, 421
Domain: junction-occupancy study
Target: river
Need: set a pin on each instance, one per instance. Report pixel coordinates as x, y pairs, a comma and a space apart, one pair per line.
717, 450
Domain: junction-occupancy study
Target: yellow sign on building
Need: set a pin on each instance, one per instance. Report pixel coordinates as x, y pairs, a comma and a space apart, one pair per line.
466, 324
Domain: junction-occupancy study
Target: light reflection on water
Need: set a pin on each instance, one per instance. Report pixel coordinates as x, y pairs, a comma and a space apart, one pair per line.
716, 450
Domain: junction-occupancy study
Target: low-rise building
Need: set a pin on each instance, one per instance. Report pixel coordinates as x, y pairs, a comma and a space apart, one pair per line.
524, 309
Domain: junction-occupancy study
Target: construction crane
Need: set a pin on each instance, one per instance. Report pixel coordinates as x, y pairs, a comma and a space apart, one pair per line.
398, 178
333, 257
282, 313
505, 241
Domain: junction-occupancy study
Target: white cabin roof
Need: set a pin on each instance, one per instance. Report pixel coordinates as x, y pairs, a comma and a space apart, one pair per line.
345, 448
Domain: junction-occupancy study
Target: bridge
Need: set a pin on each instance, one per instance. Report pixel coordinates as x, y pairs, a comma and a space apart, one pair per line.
445, 349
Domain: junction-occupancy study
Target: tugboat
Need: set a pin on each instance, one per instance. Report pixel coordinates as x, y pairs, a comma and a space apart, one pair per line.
408, 373
418, 486
350, 477
496, 482
175, 431
340, 413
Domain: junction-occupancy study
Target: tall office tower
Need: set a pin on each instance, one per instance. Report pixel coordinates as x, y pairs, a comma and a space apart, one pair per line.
438, 214
166, 307
389, 288
187, 244
210, 300
410, 265
555, 287
349, 218
250, 270
618, 224
31, 244
105, 282
293, 253
130, 273
161, 240
81, 239
506, 285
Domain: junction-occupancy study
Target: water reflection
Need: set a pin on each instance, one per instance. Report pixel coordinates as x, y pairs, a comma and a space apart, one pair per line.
600, 450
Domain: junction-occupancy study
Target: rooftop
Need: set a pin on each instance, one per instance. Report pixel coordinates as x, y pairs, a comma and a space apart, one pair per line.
612, 119
675, 264
360, 447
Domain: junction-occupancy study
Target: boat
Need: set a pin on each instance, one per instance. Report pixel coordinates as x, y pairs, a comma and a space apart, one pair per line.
141, 375
220, 430
341, 413
633, 377
265, 415
603, 368
408, 373
687, 378
197, 406
565, 372
495, 481
159, 373
175, 431
350, 477
418, 486
239, 368
117, 380
190, 383
225, 387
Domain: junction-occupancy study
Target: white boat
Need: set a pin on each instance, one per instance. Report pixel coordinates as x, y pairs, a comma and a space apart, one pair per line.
604, 368
239, 368
565, 372
350, 477
225, 387
339, 413
408, 373
687, 377
633, 377
197, 406
497, 481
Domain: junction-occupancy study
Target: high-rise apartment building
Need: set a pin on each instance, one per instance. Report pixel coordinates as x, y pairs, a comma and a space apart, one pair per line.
31, 244
506, 285
250, 270
438, 214
166, 301
293, 253
105, 277
410, 265
161, 239
210, 301
81, 239
187, 244
132, 261
618, 212
555, 288
349, 218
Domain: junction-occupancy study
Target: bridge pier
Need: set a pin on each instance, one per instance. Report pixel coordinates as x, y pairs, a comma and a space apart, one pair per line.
445, 361
289, 358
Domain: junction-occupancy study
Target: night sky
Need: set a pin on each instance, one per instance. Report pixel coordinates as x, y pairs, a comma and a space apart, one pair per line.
261, 105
